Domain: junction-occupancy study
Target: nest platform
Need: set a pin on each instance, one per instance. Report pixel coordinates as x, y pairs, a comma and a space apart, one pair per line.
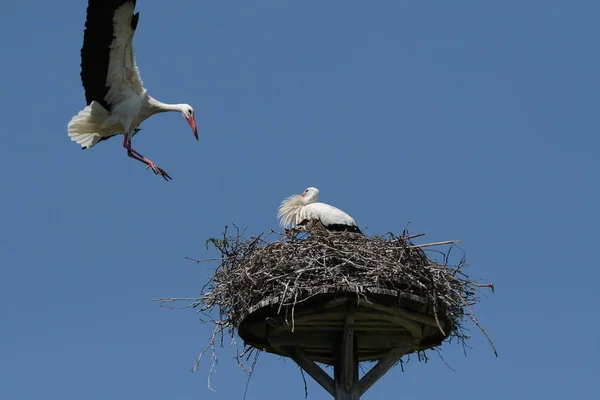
337, 299
380, 321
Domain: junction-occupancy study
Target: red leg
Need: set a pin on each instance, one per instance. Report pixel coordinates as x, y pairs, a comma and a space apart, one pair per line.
138, 156
289, 233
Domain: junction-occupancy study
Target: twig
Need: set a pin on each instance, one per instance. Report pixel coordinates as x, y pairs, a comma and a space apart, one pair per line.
204, 259
488, 285
412, 236
250, 374
433, 244
304, 380
476, 322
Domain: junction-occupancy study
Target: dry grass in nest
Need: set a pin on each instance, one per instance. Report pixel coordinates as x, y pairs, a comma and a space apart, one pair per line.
293, 269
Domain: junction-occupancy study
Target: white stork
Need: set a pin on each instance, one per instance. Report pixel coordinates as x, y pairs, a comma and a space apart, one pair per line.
117, 100
302, 209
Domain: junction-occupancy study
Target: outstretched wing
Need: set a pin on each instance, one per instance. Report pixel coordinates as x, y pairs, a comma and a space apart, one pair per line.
108, 68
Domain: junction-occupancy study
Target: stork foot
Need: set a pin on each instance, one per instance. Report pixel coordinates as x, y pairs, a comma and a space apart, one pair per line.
289, 233
292, 231
157, 170
137, 156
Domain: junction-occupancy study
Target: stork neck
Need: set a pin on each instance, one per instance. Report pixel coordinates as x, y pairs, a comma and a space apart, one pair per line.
159, 106
310, 199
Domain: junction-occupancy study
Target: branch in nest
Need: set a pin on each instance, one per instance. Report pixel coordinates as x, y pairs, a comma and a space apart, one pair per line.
433, 244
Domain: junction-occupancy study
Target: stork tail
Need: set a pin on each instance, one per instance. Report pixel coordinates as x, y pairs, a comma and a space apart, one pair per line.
84, 127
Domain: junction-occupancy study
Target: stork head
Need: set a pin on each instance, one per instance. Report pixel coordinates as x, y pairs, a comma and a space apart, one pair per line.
310, 195
188, 113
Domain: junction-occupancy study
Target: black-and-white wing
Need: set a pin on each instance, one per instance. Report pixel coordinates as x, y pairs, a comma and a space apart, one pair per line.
108, 68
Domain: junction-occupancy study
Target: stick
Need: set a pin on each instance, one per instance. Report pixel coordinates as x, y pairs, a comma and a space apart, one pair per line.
433, 244
203, 260
474, 319
488, 285
412, 236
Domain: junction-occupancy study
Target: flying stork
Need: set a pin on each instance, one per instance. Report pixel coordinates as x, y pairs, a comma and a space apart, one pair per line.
117, 101
302, 209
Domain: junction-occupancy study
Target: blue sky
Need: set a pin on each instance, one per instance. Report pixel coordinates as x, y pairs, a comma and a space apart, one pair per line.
474, 120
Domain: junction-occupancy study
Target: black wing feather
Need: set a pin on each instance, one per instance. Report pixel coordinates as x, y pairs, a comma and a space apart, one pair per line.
134, 20
342, 228
97, 38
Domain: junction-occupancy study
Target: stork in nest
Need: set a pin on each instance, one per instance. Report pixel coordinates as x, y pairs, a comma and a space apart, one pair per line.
303, 212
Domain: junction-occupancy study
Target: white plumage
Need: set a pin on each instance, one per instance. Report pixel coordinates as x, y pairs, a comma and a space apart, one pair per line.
304, 210
117, 100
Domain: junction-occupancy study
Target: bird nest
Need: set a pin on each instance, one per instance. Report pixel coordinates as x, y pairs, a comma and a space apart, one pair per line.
282, 273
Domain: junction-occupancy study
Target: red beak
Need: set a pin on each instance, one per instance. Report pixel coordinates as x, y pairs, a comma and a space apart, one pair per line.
192, 121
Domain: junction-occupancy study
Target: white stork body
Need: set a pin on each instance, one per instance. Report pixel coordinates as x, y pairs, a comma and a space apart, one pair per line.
303, 209
117, 100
